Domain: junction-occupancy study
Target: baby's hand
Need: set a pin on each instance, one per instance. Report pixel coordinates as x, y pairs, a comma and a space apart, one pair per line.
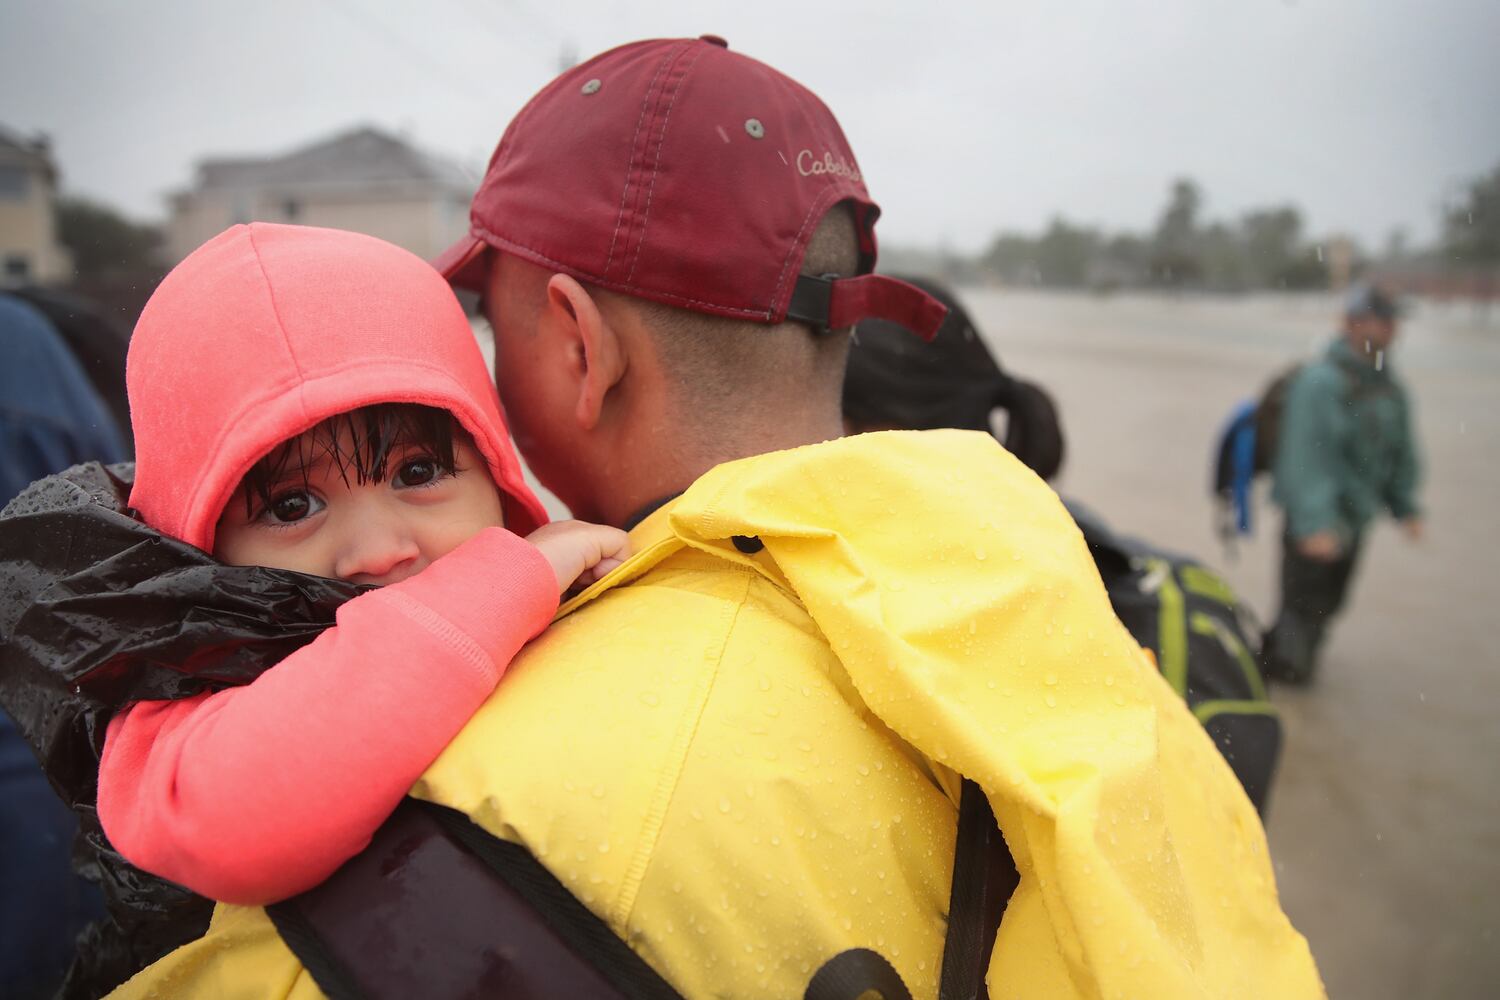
580, 552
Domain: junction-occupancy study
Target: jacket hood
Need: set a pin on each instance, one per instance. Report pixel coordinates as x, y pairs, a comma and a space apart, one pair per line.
267, 330
963, 603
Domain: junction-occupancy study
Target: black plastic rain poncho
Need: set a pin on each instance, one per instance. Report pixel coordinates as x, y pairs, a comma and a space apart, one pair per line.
97, 610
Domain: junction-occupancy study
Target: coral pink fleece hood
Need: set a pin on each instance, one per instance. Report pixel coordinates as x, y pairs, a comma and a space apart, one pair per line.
265, 331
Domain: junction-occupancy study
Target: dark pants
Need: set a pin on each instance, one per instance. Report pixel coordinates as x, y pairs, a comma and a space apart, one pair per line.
1312, 592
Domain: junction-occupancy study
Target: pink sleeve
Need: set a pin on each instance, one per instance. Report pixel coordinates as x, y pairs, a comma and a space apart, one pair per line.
256, 793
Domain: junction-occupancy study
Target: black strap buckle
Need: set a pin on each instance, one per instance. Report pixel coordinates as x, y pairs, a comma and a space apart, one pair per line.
812, 298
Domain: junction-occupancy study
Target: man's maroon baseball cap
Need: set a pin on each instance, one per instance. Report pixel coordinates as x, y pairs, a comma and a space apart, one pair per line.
678, 171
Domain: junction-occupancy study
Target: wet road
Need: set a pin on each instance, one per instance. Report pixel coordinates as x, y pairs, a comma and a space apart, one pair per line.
1385, 820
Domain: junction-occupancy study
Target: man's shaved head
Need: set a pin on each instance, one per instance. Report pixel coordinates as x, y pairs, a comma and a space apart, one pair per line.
609, 395
724, 366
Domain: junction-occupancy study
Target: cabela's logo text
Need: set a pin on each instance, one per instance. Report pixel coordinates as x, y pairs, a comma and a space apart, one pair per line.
809, 165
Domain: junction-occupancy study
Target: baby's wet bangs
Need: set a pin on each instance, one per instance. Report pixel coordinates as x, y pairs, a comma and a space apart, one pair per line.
358, 444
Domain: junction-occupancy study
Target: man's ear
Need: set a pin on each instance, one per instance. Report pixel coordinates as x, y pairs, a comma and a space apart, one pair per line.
595, 352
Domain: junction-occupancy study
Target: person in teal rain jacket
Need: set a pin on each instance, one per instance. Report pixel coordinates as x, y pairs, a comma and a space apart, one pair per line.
1346, 453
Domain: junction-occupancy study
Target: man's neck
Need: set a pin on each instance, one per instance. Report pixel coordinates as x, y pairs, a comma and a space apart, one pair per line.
677, 461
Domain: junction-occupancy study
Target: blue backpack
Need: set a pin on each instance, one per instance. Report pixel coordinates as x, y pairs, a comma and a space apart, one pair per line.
1246, 448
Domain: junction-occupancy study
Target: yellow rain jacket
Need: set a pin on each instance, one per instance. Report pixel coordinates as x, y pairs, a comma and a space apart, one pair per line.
747, 763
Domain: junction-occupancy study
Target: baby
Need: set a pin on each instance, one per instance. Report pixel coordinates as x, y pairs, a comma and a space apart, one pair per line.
313, 400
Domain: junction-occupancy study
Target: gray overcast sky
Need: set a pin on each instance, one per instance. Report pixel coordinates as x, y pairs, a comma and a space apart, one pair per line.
966, 118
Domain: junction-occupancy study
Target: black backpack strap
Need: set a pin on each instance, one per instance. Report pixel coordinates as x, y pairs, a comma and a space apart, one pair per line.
851, 974
494, 921
438, 908
573, 922
984, 878
299, 934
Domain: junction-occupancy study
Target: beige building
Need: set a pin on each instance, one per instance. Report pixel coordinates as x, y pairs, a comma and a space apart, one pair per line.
364, 180
29, 251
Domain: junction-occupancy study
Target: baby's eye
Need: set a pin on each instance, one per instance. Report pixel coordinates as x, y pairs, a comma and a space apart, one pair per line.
289, 508
418, 472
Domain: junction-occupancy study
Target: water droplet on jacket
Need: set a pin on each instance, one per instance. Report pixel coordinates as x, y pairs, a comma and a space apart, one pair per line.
979, 554
1051, 701
1051, 680
724, 805
650, 700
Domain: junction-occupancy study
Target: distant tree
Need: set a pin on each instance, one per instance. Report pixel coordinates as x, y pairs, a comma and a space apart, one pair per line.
1129, 250
1179, 220
1012, 257
1221, 258
1266, 248
1174, 249
1064, 253
1124, 261
105, 245
1307, 271
1272, 241
1471, 226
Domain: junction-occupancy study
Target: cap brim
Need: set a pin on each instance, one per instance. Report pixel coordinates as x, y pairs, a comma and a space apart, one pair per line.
463, 263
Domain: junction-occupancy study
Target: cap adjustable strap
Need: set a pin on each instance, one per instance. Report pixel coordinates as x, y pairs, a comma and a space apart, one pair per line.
829, 303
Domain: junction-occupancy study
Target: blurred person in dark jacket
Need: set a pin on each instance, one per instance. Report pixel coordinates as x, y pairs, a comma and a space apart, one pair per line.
98, 344
50, 415
1345, 453
50, 418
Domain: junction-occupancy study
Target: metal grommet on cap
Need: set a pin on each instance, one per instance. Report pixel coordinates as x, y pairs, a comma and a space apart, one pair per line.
592, 87
755, 129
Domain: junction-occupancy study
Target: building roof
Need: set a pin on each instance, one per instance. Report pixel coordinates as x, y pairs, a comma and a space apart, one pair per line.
35, 151
359, 158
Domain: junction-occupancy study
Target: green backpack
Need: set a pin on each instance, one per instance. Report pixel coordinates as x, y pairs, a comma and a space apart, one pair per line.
1206, 644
